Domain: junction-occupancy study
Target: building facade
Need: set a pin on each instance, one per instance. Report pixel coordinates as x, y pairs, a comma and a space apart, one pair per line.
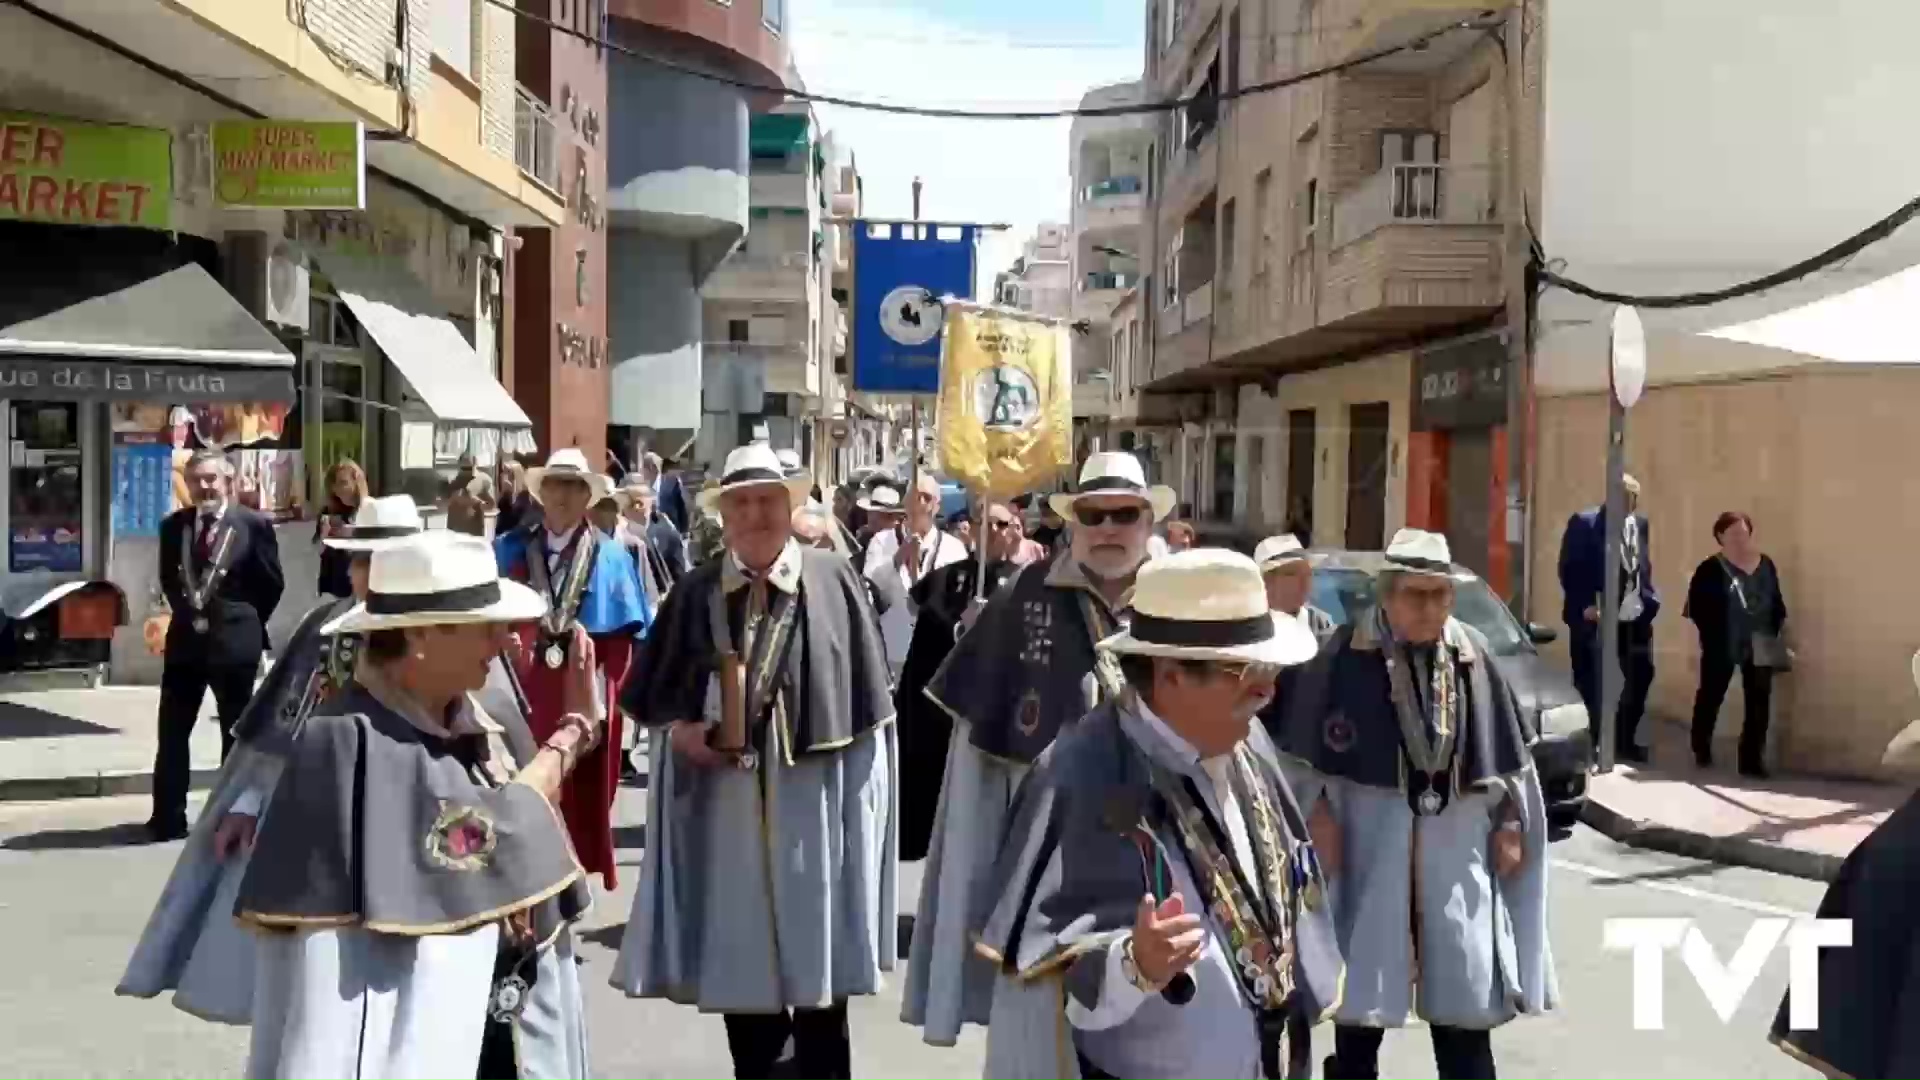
1108, 166
678, 197
277, 231
561, 367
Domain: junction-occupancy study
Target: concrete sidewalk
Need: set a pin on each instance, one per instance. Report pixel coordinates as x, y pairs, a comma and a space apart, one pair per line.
1799, 826
68, 744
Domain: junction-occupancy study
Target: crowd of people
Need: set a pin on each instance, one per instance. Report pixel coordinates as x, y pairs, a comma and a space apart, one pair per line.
1173, 817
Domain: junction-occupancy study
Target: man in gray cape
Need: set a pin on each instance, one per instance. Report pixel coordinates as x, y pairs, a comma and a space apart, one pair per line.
769, 890
1404, 742
1156, 869
1025, 670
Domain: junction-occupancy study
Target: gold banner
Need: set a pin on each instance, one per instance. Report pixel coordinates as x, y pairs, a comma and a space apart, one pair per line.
1005, 416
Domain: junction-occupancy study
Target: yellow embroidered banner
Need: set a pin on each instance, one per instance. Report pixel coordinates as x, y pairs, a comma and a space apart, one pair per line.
1005, 414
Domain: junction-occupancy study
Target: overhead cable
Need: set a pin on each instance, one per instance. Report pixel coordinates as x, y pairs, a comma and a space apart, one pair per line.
1838, 253
1145, 108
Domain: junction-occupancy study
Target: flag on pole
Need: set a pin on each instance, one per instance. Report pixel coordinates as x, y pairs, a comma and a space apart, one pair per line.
1005, 412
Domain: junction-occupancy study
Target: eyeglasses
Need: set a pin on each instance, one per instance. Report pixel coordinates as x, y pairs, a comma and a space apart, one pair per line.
1240, 670
1094, 517
996, 525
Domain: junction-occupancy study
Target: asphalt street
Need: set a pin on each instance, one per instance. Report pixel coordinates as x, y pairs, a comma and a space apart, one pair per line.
76, 886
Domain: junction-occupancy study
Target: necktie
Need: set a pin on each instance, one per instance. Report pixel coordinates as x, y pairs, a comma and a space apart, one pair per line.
203, 547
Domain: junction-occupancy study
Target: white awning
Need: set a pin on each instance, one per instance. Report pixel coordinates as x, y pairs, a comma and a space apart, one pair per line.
181, 316
450, 379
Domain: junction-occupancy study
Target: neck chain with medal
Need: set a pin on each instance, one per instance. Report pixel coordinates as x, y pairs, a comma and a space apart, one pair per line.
199, 592
557, 624
1433, 758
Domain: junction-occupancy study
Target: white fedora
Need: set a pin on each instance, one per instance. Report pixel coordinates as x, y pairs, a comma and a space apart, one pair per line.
1277, 551
882, 500
440, 579
1115, 472
1417, 551
1208, 604
379, 523
754, 465
569, 464
790, 462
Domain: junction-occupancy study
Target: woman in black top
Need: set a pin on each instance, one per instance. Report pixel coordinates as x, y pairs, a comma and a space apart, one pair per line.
346, 490
1736, 603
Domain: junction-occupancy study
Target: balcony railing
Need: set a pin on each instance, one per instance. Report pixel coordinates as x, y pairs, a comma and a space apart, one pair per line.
1197, 305
1111, 280
1113, 185
1415, 194
536, 139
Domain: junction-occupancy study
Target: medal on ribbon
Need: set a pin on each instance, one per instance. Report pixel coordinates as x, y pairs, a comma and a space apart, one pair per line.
556, 626
199, 591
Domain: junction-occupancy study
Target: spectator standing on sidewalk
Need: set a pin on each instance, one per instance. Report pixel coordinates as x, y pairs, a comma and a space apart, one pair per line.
1736, 604
346, 491
220, 571
1583, 576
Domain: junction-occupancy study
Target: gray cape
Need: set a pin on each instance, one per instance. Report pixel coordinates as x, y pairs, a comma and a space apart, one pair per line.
774, 886
1483, 954
1070, 876
191, 944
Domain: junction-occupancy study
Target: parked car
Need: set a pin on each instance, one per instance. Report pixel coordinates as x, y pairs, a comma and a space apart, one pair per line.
1550, 707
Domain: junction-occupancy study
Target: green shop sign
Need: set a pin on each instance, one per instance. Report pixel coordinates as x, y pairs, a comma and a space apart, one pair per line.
68, 172
290, 164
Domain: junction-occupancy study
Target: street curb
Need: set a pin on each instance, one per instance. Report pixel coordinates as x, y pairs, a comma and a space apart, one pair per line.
92, 786
1727, 850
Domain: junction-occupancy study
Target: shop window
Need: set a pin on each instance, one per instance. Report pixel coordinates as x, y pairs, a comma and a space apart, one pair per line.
737, 331
44, 513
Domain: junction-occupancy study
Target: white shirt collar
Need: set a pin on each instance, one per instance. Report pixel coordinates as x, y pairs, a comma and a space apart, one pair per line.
1216, 766
556, 542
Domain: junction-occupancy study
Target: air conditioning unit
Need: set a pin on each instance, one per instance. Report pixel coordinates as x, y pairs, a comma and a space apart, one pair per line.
269, 276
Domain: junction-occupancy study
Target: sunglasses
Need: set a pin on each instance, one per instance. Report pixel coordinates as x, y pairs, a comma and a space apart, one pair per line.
996, 525
1094, 517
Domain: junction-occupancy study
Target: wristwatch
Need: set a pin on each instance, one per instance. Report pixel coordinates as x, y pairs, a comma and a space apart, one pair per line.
1132, 970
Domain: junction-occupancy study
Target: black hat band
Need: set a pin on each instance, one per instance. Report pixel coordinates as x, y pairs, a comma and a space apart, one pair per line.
1201, 633
378, 532
469, 598
752, 475
1111, 483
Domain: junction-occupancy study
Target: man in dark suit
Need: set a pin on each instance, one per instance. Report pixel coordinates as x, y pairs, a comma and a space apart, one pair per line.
1583, 578
220, 570
670, 494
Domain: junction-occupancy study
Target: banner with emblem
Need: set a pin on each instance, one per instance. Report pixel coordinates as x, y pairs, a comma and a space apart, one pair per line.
1005, 412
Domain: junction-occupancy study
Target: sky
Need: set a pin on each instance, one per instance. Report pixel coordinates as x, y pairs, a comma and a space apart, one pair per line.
995, 54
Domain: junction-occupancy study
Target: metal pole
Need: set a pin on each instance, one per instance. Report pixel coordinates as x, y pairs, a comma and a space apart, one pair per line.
1615, 518
1519, 336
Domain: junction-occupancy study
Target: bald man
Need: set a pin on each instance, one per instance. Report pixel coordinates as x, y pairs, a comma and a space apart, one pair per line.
899, 557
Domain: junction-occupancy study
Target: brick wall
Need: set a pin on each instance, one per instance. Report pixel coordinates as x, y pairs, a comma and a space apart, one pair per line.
1364, 106
496, 79
358, 33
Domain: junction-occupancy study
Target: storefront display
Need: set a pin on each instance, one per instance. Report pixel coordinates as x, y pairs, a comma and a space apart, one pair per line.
44, 477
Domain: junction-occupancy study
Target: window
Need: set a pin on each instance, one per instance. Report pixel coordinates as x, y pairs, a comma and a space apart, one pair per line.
1262, 227
44, 523
452, 33
736, 330
1309, 208
1233, 51
774, 14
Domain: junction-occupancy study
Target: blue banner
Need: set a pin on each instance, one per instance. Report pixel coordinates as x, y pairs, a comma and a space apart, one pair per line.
899, 274
142, 488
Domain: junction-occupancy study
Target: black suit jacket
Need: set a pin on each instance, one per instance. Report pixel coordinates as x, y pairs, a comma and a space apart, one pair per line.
238, 611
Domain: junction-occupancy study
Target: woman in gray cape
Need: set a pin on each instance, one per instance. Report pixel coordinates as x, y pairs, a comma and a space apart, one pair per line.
192, 945
413, 890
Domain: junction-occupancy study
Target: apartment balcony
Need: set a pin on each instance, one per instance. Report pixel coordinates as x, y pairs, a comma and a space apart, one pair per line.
1192, 176
1093, 395
1413, 247
1185, 339
536, 139
1361, 25
783, 278
777, 189
785, 366
1113, 203
1099, 292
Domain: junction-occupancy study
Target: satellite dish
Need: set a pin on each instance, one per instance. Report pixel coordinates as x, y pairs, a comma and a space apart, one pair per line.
1629, 356
911, 316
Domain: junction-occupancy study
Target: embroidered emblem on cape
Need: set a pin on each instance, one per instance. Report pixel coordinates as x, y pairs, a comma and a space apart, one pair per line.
462, 837
1338, 733
509, 998
1030, 713
1036, 631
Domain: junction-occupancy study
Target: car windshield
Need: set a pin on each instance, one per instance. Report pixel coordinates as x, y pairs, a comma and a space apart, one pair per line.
1345, 593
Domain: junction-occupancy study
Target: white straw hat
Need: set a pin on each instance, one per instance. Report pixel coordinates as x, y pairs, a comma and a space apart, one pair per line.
1208, 604
1277, 551
754, 465
569, 464
884, 499
379, 523
1417, 551
440, 579
1115, 472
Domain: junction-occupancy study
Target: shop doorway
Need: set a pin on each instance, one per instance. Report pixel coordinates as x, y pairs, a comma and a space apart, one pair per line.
1302, 464
1469, 482
1367, 437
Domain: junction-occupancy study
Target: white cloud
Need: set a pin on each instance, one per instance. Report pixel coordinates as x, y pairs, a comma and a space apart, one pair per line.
973, 170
